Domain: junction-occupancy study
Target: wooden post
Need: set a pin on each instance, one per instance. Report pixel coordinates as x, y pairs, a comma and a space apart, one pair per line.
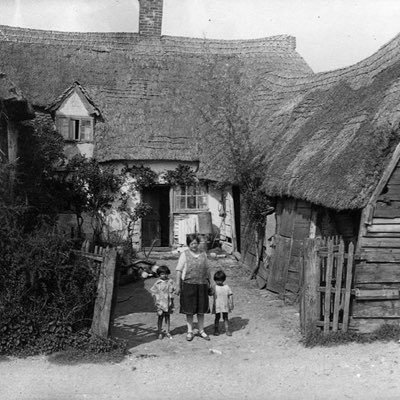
105, 288
349, 276
328, 286
338, 287
309, 305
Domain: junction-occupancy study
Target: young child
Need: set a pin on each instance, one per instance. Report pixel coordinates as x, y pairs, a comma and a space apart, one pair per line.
223, 302
162, 292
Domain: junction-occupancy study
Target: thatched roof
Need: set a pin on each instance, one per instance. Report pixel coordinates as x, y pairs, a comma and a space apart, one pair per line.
328, 137
15, 104
149, 90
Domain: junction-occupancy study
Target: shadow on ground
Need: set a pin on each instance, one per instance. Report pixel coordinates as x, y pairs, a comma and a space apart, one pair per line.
134, 298
235, 324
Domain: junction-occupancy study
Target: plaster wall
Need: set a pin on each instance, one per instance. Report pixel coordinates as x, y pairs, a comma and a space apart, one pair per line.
73, 106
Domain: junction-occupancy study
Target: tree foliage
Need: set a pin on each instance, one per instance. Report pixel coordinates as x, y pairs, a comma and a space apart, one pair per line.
91, 189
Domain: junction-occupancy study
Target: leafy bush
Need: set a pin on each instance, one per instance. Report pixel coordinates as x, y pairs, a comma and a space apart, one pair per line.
46, 292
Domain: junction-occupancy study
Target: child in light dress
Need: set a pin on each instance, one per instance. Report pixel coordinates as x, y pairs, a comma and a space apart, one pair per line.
223, 302
162, 292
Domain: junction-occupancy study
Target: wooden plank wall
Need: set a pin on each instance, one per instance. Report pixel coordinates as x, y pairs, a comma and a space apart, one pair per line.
378, 267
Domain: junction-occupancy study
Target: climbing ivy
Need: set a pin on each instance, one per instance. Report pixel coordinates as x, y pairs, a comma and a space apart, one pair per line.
144, 177
182, 175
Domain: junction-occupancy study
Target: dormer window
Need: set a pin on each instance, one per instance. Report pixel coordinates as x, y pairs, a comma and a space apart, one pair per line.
75, 114
77, 129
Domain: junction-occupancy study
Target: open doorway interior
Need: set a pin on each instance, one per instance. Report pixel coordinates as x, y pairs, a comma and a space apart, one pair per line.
156, 225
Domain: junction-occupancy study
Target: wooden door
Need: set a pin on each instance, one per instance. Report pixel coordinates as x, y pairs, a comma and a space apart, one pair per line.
293, 227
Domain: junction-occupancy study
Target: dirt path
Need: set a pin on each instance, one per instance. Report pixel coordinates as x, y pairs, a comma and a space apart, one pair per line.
262, 360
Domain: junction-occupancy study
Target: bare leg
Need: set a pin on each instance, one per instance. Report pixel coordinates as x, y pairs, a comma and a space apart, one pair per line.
159, 326
167, 326
189, 322
200, 322
226, 323
167, 323
216, 324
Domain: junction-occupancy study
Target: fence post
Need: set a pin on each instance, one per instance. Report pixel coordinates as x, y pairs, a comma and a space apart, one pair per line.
105, 289
309, 304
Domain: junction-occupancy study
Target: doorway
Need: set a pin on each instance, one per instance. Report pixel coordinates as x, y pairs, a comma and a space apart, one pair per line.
156, 225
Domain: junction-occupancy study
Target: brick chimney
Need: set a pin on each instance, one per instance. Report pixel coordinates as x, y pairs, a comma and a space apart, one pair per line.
150, 17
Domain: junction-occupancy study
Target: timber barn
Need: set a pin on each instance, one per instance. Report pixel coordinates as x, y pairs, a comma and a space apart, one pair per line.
333, 166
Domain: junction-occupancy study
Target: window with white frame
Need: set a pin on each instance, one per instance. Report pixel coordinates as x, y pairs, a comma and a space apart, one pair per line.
190, 198
79, 129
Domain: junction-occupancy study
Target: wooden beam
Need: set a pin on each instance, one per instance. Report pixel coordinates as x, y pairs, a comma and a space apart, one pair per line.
376, 309
382, 235
310, 281
383, 228
380, 242
377, 273
105, 289
338, 286
377, 294
385, 221
386, 175
347, 296
380, 255
328, 291
369, 325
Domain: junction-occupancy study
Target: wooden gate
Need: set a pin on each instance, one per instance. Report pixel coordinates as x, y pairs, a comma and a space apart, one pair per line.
106, 260
326, 287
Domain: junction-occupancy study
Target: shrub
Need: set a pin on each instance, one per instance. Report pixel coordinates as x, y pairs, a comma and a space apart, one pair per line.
46, 293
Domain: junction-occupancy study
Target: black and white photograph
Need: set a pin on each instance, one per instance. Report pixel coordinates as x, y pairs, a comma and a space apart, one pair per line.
199, 199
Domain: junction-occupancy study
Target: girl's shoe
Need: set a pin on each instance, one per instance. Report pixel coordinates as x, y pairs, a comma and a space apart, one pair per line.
168, 335
189, 336
160, 336
216, 331
228, 333
204, 335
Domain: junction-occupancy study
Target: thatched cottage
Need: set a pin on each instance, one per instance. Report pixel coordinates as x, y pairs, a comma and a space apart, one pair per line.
146, 99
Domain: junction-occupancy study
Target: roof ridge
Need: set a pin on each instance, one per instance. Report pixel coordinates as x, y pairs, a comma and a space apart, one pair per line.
19, 34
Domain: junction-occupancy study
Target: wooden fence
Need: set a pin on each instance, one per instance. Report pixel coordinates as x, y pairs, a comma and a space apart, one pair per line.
326, 285
106, 260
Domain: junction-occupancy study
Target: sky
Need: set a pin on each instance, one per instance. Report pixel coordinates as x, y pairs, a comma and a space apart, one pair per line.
330, 34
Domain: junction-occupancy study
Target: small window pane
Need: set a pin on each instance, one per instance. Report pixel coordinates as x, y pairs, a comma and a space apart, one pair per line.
191, 202
86, 130
191, 190
202, 202
182, 202
182, 189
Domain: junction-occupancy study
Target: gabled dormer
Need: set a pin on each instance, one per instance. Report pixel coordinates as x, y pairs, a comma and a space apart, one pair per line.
75, 115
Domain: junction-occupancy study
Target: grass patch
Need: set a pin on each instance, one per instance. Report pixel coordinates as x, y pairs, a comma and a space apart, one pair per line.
385, 333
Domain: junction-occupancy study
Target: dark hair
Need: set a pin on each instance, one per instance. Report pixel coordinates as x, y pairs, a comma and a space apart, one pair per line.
220, 276
163, 269
191, 237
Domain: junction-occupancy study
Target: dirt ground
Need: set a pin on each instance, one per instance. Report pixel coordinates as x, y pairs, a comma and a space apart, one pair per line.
263, 359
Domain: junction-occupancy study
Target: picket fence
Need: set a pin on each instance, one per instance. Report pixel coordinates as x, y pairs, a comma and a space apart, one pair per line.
326, 288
